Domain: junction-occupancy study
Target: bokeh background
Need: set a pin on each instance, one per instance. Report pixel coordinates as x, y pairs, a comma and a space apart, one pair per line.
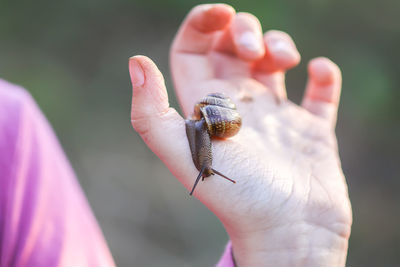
72, 56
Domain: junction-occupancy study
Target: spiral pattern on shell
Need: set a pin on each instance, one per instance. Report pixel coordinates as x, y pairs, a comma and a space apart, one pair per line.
220, 114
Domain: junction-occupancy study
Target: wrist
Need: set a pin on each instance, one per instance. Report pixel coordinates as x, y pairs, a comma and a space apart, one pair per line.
295, 245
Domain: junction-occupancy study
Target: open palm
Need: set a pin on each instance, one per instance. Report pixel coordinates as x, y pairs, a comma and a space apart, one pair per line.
284, 159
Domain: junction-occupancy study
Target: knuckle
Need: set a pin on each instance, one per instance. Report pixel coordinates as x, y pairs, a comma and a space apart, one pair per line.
144, 125
141, 126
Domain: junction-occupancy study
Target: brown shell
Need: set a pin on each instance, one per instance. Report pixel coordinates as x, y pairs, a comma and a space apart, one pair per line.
220, 114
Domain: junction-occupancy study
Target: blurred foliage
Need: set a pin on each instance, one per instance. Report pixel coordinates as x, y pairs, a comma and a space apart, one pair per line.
72, 56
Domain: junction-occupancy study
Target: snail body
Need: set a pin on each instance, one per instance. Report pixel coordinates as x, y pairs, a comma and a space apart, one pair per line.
215, 116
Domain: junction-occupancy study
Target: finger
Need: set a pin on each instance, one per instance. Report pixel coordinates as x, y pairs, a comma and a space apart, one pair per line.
323, 89
149, 96
160, 126
195, 38
244, 38
197, 32
281, 54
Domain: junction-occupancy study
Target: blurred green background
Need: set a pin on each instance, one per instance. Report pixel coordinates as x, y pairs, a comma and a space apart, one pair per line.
73, 58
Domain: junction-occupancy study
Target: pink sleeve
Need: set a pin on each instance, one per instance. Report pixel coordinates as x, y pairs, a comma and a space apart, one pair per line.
45, 219
227, 258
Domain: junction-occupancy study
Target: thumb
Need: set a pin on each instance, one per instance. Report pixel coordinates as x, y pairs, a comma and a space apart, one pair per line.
161, 127
149, 95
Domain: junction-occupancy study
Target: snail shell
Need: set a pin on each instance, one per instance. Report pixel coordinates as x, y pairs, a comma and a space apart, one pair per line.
220, 114
214, 116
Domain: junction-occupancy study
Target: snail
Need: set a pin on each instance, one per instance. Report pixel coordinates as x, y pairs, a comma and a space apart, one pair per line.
215, 116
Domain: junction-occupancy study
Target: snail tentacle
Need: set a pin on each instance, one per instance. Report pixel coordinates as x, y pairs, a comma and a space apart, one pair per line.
197, 180
223, 176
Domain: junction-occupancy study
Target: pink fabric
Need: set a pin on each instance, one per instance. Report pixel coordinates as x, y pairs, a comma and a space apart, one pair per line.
226, 259
45, 219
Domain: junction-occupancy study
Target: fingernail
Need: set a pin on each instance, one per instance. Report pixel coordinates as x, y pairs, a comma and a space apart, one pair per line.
206, 7
136, 72
280, 46
249, 41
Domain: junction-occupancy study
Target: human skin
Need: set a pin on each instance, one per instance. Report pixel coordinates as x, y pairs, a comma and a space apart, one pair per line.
290, 205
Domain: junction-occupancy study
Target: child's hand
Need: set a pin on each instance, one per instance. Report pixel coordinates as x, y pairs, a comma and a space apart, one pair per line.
289, 205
